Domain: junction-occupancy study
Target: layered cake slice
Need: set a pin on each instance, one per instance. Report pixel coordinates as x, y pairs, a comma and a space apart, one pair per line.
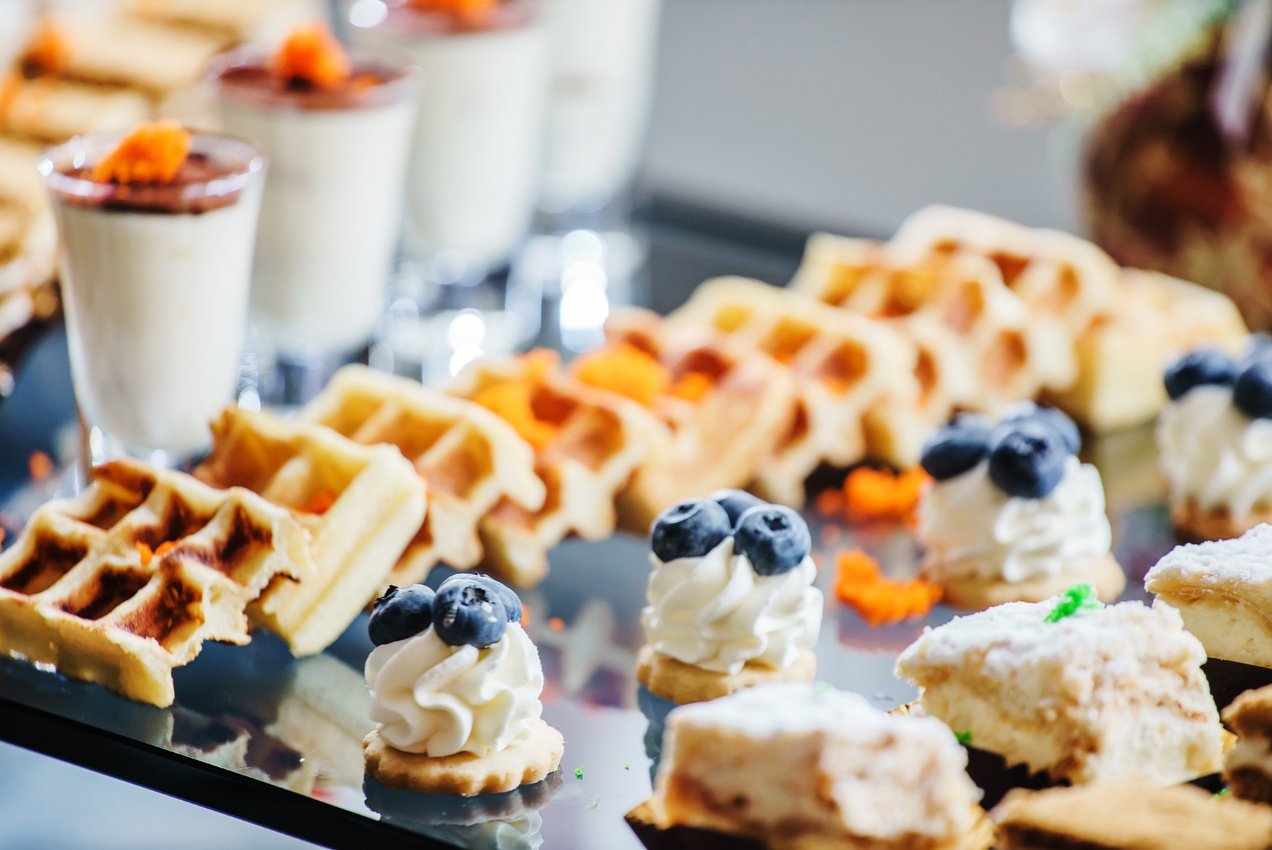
1248, 765
1084, 692
802, 766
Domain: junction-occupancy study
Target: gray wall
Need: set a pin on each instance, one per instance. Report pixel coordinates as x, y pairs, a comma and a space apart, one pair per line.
848, 113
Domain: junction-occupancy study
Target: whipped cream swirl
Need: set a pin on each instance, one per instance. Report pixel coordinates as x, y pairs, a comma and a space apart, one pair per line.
1213, 454
438, 700
972, 529
716, 613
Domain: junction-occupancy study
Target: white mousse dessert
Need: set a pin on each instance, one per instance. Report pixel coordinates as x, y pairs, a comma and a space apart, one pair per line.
800, 763
1085, 692
476, 159
1012, 514
337, 134
157, 233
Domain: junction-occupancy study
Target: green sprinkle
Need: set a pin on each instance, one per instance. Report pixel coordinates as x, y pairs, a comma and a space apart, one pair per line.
822, 688
627, 766
592, 804
963, 737
578, 773
1225, 792
1080, 597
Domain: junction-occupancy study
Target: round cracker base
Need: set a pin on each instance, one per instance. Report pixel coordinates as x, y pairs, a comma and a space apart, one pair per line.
684, 683
978, 594
1196, 525
464, 774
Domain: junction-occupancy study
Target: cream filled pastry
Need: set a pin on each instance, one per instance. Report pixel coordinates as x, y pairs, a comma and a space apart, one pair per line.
731, 598
455, 686
1215, 441
1013, 515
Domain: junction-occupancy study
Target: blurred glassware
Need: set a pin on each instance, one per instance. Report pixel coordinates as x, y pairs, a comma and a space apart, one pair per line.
330, 215
155, 279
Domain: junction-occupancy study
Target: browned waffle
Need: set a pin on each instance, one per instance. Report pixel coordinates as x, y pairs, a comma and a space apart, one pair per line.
125, 581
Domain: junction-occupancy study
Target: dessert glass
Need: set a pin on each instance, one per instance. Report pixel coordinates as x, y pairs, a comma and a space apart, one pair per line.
330, 213
155, 279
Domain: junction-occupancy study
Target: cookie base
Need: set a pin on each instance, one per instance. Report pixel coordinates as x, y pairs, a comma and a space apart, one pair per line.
976, 594
684, 683
464, 774
1197, 526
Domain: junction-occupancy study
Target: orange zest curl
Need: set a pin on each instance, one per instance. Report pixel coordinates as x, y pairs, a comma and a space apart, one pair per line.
152, 153
41, 466
881, 601
471, 12
626, 370
320, 503
692, 386
147, 554
48, 51
872, 495
511, 401
312, 56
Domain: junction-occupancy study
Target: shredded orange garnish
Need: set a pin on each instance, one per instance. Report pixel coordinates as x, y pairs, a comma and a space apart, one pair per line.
311, 55
880, 600
525, 615
511, 401
692, 386
48, 51
468, 11
152, 153
626, 370
40, 465
538, 363
556, 624
165, 547
829, 502
320, 503
145, 552
874, 494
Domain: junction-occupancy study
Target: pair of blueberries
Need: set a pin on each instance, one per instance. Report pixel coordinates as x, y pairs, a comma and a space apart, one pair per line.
1249, 375
773, 538
1027, 450
466, 609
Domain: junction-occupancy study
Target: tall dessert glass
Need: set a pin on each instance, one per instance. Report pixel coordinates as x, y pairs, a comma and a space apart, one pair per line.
155, 276
331, 212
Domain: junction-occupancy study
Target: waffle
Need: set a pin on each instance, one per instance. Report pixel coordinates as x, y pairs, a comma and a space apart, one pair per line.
49, 110
1122, 355
844, 366
361, 504
80, 591
264, 21
588, 444
718, 439
469, 458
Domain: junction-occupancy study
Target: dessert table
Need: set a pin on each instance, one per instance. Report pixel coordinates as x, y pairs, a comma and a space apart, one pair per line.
274, 740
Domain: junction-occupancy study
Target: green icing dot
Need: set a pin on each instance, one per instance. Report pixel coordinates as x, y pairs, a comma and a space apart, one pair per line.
578, 773
1080, 597
963, 737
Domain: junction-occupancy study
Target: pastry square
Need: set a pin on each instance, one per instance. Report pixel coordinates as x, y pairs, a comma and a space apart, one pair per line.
1223, 592
802, 764
1088, 695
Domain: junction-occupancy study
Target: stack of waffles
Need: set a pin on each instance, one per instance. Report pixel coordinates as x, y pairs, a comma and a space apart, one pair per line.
28, 240
125, 581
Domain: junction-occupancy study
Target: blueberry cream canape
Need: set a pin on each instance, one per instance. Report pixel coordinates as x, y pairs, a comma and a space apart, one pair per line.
731, 599
1081, 691
1215, 441
798, 765
1013, 515
455, 685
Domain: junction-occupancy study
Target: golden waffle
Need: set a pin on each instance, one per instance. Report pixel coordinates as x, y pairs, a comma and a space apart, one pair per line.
588, 443
125, 581
844, 365
1122, 355
740, 412
469, 458
361, 504
28, 232
49, 110
264, 21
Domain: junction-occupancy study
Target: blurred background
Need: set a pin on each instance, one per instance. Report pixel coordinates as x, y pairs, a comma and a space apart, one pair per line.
847, 115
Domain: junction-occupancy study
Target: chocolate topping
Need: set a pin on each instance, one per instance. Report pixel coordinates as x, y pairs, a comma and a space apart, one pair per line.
508, 14
185, 194
250, 80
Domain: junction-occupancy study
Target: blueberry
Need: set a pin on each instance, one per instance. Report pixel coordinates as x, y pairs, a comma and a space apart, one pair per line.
509, 597
469, 611
1026, 458
1050, 416
774, 539
956, 447
735, 503
1252, 392
1197, 367
402, 612
689, 529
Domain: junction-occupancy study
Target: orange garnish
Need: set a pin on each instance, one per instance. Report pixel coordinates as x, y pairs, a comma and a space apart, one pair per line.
692, 386
320, 503
41, 467
556, 624
525, 615
875, 494
310, 54
538, 363
145, 552
860, 585
152, 153
468, 11
626, 370
48, 51
510, 401
165, 547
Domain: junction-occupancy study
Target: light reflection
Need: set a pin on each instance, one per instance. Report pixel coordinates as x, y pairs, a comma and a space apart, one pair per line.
367, 13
